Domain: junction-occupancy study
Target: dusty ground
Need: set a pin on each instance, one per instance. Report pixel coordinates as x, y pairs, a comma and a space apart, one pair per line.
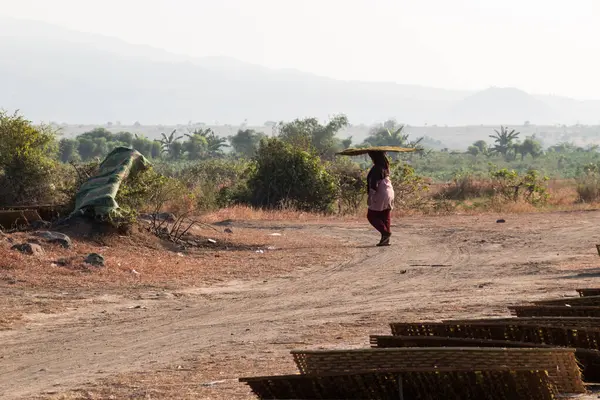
193, 342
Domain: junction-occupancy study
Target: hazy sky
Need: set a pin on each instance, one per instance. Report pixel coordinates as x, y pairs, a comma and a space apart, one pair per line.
541, 46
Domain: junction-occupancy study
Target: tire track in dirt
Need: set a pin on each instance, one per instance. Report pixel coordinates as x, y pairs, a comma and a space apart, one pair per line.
374, 286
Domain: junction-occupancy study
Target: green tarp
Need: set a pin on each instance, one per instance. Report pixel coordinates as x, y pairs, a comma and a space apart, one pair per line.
97, 194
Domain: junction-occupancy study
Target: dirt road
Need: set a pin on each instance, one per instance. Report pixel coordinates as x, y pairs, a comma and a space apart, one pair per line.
437, 268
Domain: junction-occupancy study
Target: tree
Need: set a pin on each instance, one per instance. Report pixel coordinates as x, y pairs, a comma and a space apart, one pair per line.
391, 134
504, 141
309, 135
479, 147
246, 142
124, 137
530, 146
143, 145
195, 147
213, 144
286, 175
67, 150
166, 142
26, 160
156, 150
346, 143
85, 148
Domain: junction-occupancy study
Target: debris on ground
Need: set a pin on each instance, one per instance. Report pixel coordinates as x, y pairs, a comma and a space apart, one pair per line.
10, 219
500, 221
228, 231
29, 248
168, 217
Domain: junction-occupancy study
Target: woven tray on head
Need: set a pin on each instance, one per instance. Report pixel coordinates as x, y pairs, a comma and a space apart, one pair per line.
571, 301
431, 385
555, 311
585, 341
571, 322
587, 292
388, 149
561, 364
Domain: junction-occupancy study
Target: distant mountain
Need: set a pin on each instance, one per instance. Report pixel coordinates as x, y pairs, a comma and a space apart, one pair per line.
501, 105
55, 74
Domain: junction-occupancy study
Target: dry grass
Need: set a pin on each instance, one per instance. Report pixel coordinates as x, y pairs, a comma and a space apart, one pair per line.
244, 213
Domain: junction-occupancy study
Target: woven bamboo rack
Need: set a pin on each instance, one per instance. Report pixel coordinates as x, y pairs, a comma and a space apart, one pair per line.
561, 364
589, 359
424, 385
574, 322
588, 338
586, 292
555, 311
571, 301
585, 341
386, 341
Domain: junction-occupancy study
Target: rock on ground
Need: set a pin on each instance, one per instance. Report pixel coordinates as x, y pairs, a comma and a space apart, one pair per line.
55, 237
29, 248
95, 259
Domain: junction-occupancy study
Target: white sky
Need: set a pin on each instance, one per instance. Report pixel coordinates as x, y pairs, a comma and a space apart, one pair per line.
541, 46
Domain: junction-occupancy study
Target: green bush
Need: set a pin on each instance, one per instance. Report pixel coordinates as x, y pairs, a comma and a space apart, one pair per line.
511, 186
351, 184
588, 184
409, 187
214, 182
27, 161
284, 175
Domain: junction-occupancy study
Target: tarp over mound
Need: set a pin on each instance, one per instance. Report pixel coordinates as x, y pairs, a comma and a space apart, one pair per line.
97, 195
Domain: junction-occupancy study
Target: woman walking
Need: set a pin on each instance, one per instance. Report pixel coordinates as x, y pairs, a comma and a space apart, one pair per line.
380, 196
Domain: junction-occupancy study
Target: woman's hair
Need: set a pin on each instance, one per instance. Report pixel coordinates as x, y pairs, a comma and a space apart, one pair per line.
379, 158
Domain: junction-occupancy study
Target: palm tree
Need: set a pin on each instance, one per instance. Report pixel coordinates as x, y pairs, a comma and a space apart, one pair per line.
504, 140
167, 141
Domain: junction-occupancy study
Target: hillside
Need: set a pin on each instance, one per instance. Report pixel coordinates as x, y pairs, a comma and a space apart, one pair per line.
53, 74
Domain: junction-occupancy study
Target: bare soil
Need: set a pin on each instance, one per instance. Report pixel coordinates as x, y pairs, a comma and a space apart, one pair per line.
326, 286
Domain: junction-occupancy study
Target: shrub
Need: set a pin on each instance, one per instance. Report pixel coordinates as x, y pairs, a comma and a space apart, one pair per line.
26, 161
215, 182
466, 186
409, 188
511, 186
351, 184
286, 175
588, 187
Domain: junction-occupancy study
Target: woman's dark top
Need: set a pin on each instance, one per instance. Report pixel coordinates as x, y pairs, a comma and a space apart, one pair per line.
376, 174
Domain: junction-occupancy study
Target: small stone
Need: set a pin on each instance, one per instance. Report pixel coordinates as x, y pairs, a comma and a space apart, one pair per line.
55, 237
95, 259
63, 262
500, 221
228, 231
29, 248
